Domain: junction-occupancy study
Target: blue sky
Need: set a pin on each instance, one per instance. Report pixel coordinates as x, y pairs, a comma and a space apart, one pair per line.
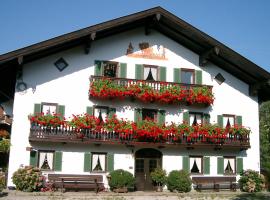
243, 25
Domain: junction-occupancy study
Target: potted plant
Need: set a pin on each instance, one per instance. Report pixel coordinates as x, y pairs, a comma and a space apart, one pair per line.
159, 178
120, 181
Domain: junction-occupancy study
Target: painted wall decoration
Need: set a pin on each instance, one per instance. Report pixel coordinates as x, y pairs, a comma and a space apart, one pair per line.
144, 50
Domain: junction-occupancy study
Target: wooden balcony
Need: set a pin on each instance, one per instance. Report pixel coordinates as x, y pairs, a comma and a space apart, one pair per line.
71, 135
150, 91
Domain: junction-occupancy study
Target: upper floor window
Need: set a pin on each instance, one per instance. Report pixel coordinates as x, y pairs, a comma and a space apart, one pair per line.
49, 108
101, 112
109, 68
149, 114
45, 160
150, 73
228, 120
188, 76
195, 118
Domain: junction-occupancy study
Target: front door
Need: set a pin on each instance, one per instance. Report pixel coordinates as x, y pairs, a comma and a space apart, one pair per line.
143, 167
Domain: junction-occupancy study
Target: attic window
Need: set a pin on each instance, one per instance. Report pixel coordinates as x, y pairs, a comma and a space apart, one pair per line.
61, 64
219, 78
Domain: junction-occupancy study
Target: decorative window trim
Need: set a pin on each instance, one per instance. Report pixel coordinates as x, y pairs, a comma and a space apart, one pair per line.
196, 156
188, 70
230, 157
106, 162
38, 161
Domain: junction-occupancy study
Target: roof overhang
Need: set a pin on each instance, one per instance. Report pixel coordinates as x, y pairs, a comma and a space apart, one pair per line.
155, 18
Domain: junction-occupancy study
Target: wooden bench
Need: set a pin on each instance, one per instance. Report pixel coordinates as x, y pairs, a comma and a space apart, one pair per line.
75, 182
215, 182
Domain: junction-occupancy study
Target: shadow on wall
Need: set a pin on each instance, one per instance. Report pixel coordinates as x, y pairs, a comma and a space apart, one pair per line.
112, 48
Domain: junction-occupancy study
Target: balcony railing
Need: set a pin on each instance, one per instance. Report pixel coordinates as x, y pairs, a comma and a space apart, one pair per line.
67, 134
150, 91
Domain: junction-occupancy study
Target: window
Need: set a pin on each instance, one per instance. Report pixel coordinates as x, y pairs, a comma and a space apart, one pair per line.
188, 76
45, 160
110, 68
228, 120
99, 162
139, 165
229, 165
49, 108
101, 112
195, 118
61, 64
150, 73
149, 114
196, 164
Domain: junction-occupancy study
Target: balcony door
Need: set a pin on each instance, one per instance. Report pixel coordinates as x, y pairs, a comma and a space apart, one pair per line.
146, 160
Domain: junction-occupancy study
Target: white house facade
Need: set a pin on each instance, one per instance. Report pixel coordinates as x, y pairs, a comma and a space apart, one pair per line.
69, 82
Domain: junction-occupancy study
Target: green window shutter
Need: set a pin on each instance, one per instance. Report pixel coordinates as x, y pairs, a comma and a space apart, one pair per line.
161, 116
37, 108
239, 120
206, 165
220, 120
137, 114
110, 162
239, 165
162, 73
220, 165
98, 68
138, 72
185, 164
89, 110
206, 118
61, 109
177, 75
198, 76
112, 111
186, 117
87, 162
123, 70
33, 158
57, 163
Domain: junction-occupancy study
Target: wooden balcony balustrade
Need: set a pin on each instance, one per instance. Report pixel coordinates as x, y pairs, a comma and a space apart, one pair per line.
69, 134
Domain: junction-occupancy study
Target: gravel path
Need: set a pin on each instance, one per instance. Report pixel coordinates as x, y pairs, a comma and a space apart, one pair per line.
16, 195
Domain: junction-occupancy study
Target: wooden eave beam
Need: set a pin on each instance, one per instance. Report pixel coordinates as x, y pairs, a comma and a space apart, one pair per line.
204, 57
88, 42
254, 88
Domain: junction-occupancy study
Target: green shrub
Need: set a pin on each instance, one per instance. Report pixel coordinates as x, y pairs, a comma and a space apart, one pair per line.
179, 181
28, 179
2, 181
159, 176
120, 178
251, 181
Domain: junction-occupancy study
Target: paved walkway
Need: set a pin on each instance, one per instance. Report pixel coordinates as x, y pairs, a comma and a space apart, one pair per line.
17, 195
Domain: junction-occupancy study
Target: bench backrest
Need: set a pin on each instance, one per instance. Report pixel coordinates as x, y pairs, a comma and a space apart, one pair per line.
214, 179
77, 177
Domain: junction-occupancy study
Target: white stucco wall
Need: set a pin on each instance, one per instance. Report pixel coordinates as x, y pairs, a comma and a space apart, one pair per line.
70, 88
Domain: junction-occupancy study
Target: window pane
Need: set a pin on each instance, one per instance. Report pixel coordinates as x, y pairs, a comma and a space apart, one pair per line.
152, 165
229, 165
139, 165
195, 164
150, 74
187, 77
48, 109
109, 69
46, 160
149, 114
98, 162
101, 113
195, 118
228, 121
